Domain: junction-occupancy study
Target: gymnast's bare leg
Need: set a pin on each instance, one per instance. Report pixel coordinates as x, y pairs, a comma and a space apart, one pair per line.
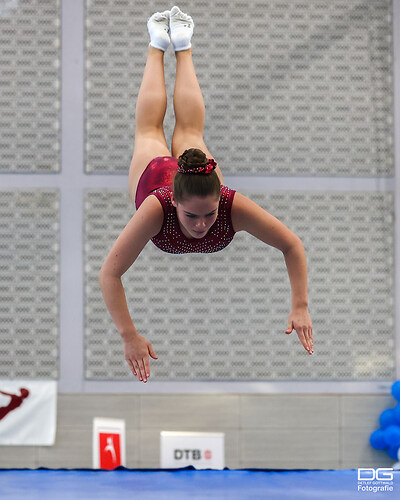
189, 109
151, 106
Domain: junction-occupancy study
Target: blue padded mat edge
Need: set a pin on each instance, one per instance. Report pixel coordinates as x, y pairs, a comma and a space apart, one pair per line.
179, 484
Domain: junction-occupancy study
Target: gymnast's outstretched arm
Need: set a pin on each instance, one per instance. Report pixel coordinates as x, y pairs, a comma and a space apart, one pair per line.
145, 224
248, 216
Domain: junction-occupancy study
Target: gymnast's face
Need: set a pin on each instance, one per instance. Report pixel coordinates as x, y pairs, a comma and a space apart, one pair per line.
196, 215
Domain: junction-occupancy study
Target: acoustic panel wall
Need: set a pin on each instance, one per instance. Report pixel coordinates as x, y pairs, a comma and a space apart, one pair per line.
30, 86
291, 88
29, 283
223, 316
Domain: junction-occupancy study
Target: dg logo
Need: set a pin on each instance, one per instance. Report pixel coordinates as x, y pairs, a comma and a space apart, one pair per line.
378, 474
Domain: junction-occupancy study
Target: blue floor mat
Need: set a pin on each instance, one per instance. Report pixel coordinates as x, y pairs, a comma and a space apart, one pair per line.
188, 483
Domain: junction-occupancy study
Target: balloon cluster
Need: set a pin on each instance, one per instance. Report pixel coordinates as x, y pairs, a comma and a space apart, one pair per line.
388, 436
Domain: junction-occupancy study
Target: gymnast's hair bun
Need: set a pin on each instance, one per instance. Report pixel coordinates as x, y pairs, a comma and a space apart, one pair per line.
196, 176
192, 158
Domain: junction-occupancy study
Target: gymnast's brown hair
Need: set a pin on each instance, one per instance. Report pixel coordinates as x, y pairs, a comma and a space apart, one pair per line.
196, 176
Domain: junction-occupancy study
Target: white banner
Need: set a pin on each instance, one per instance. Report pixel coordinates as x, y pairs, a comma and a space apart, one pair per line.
28, 412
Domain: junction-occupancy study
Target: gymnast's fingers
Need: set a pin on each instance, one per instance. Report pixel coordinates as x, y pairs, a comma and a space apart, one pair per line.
147, 365
137, 369
305, 331
142, 371
308, 336
307, 343
303, 340
131, 367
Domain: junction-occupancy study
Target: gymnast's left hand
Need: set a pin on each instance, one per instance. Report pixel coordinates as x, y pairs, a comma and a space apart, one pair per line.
300, 320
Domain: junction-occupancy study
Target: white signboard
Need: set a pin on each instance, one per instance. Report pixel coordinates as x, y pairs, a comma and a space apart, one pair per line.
203, 450
28, 412
108, 443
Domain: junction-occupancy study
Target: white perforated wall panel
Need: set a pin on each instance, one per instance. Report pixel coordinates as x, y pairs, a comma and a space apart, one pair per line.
222, 316
29, 283
30, 86
291, 87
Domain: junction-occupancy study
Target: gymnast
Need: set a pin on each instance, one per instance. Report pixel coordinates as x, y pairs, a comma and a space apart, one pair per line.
190, 210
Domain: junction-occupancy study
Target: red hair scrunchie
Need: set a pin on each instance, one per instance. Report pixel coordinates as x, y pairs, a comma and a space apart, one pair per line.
206, 169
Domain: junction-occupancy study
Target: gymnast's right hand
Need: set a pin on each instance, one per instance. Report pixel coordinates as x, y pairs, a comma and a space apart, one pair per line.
137, 350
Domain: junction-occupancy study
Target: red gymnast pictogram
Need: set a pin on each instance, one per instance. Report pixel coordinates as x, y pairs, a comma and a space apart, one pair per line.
15, 402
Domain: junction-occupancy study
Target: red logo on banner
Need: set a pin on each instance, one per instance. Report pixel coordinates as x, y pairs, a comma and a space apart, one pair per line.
208, 454
16, 401
110, 450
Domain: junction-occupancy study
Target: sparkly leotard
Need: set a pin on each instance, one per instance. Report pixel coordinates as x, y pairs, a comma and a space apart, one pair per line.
171, 239
158, 173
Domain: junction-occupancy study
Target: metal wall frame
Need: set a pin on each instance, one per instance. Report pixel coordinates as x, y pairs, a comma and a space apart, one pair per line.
72, 183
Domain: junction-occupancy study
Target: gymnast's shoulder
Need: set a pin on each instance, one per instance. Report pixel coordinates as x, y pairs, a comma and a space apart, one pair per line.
150, 216
243, 212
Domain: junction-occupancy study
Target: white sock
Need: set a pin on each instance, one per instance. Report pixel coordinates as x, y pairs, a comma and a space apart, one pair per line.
158, 26
181, 27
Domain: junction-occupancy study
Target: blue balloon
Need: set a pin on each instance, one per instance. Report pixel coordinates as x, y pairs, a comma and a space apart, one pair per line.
393, 452
388, 418
377, 440
396, 413
396, 390
392, 435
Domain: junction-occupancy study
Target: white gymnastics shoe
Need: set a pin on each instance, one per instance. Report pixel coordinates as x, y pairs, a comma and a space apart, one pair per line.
158, 26
181, 29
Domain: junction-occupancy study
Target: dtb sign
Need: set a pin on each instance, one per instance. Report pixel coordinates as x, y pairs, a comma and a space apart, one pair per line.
203, 450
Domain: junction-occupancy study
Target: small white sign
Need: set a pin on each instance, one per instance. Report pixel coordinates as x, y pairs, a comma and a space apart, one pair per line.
203, 450
108, 443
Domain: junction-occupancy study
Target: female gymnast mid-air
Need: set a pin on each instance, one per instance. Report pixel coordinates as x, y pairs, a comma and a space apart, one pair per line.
190, 210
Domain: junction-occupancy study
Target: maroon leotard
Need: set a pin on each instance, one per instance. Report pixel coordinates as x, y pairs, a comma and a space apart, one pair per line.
159, 172
157, 179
